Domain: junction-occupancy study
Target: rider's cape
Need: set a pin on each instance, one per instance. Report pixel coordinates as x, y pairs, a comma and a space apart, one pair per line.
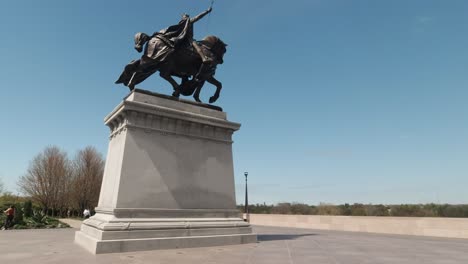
158, 48
177, 34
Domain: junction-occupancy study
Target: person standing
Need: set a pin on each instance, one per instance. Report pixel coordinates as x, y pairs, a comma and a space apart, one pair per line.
10, 213
86, 213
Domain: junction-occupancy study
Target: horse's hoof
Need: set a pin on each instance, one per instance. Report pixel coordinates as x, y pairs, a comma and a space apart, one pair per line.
176, 94
197, 99
213, 99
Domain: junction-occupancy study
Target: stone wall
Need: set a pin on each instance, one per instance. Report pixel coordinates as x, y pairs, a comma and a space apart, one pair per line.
420, 226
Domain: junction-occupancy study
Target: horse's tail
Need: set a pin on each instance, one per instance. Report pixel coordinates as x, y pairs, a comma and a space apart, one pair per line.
140, 40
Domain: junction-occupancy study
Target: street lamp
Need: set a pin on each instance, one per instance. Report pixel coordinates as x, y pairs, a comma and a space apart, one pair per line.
246, 209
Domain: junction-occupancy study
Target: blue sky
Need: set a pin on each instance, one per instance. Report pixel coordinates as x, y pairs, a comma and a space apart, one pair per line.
340, 101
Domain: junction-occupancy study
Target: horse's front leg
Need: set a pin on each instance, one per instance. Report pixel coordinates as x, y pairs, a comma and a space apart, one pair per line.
196, 95
218, 85
174, 84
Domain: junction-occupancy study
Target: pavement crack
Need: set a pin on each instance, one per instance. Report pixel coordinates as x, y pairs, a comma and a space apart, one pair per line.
289, 252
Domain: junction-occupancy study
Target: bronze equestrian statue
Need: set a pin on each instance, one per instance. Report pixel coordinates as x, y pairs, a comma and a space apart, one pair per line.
174, 52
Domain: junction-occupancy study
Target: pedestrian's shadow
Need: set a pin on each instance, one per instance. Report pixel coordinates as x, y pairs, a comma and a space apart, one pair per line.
272, 237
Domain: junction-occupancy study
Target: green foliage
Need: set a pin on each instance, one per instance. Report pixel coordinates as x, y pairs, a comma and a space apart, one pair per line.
377, 210
36, 220
403, 210
21, 226
358, 210
406, 210
28, 208
282, 208
302, 209
2, 219
345, 209
18, 215
453, 211
328, 209
40, 220
8, 199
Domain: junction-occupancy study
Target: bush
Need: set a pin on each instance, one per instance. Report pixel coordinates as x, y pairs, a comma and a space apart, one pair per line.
21, 226
28, 208
2, 218
18, 215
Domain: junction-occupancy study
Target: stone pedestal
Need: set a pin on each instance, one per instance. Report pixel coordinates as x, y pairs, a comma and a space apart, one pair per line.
168, 180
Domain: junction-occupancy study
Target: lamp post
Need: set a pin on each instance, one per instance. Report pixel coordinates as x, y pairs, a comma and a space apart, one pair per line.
246, 209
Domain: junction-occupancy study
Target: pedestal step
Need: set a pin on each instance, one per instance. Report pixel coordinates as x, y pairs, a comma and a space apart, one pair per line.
143, 244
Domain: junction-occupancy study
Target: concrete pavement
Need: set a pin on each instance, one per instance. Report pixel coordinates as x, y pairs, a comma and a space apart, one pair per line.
75, 223
276, 245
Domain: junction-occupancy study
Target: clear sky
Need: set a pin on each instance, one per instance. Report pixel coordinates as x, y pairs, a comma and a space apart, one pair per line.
340, 101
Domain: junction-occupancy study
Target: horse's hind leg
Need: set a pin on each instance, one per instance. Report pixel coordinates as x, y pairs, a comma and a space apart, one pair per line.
174, 84
196, 95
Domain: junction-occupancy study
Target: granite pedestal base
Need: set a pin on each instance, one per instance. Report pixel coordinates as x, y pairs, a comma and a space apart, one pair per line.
168, 180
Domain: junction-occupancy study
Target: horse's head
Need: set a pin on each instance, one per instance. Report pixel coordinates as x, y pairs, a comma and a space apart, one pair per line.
216, 45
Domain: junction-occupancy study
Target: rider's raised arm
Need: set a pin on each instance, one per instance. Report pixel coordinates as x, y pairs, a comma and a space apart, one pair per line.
200, 16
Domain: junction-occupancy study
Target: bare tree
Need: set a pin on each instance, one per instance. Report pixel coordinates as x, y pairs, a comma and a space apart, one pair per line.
47, 179
88, 170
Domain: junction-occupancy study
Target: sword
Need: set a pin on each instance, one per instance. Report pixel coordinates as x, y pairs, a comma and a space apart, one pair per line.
209, 16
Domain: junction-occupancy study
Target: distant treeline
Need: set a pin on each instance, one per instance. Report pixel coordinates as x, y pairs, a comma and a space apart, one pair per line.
357, 209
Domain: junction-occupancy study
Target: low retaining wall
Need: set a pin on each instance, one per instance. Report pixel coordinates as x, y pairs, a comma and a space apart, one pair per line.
420, 226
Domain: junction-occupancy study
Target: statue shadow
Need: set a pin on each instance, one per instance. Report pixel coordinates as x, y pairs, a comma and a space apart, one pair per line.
273, 237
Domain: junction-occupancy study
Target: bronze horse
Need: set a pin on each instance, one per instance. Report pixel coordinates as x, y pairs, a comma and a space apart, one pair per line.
183, 62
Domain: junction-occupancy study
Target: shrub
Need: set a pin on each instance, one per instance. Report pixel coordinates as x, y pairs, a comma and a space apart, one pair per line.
28, 208
18, 215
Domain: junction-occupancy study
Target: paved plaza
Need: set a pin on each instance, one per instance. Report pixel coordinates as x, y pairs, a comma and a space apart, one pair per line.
276, 245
